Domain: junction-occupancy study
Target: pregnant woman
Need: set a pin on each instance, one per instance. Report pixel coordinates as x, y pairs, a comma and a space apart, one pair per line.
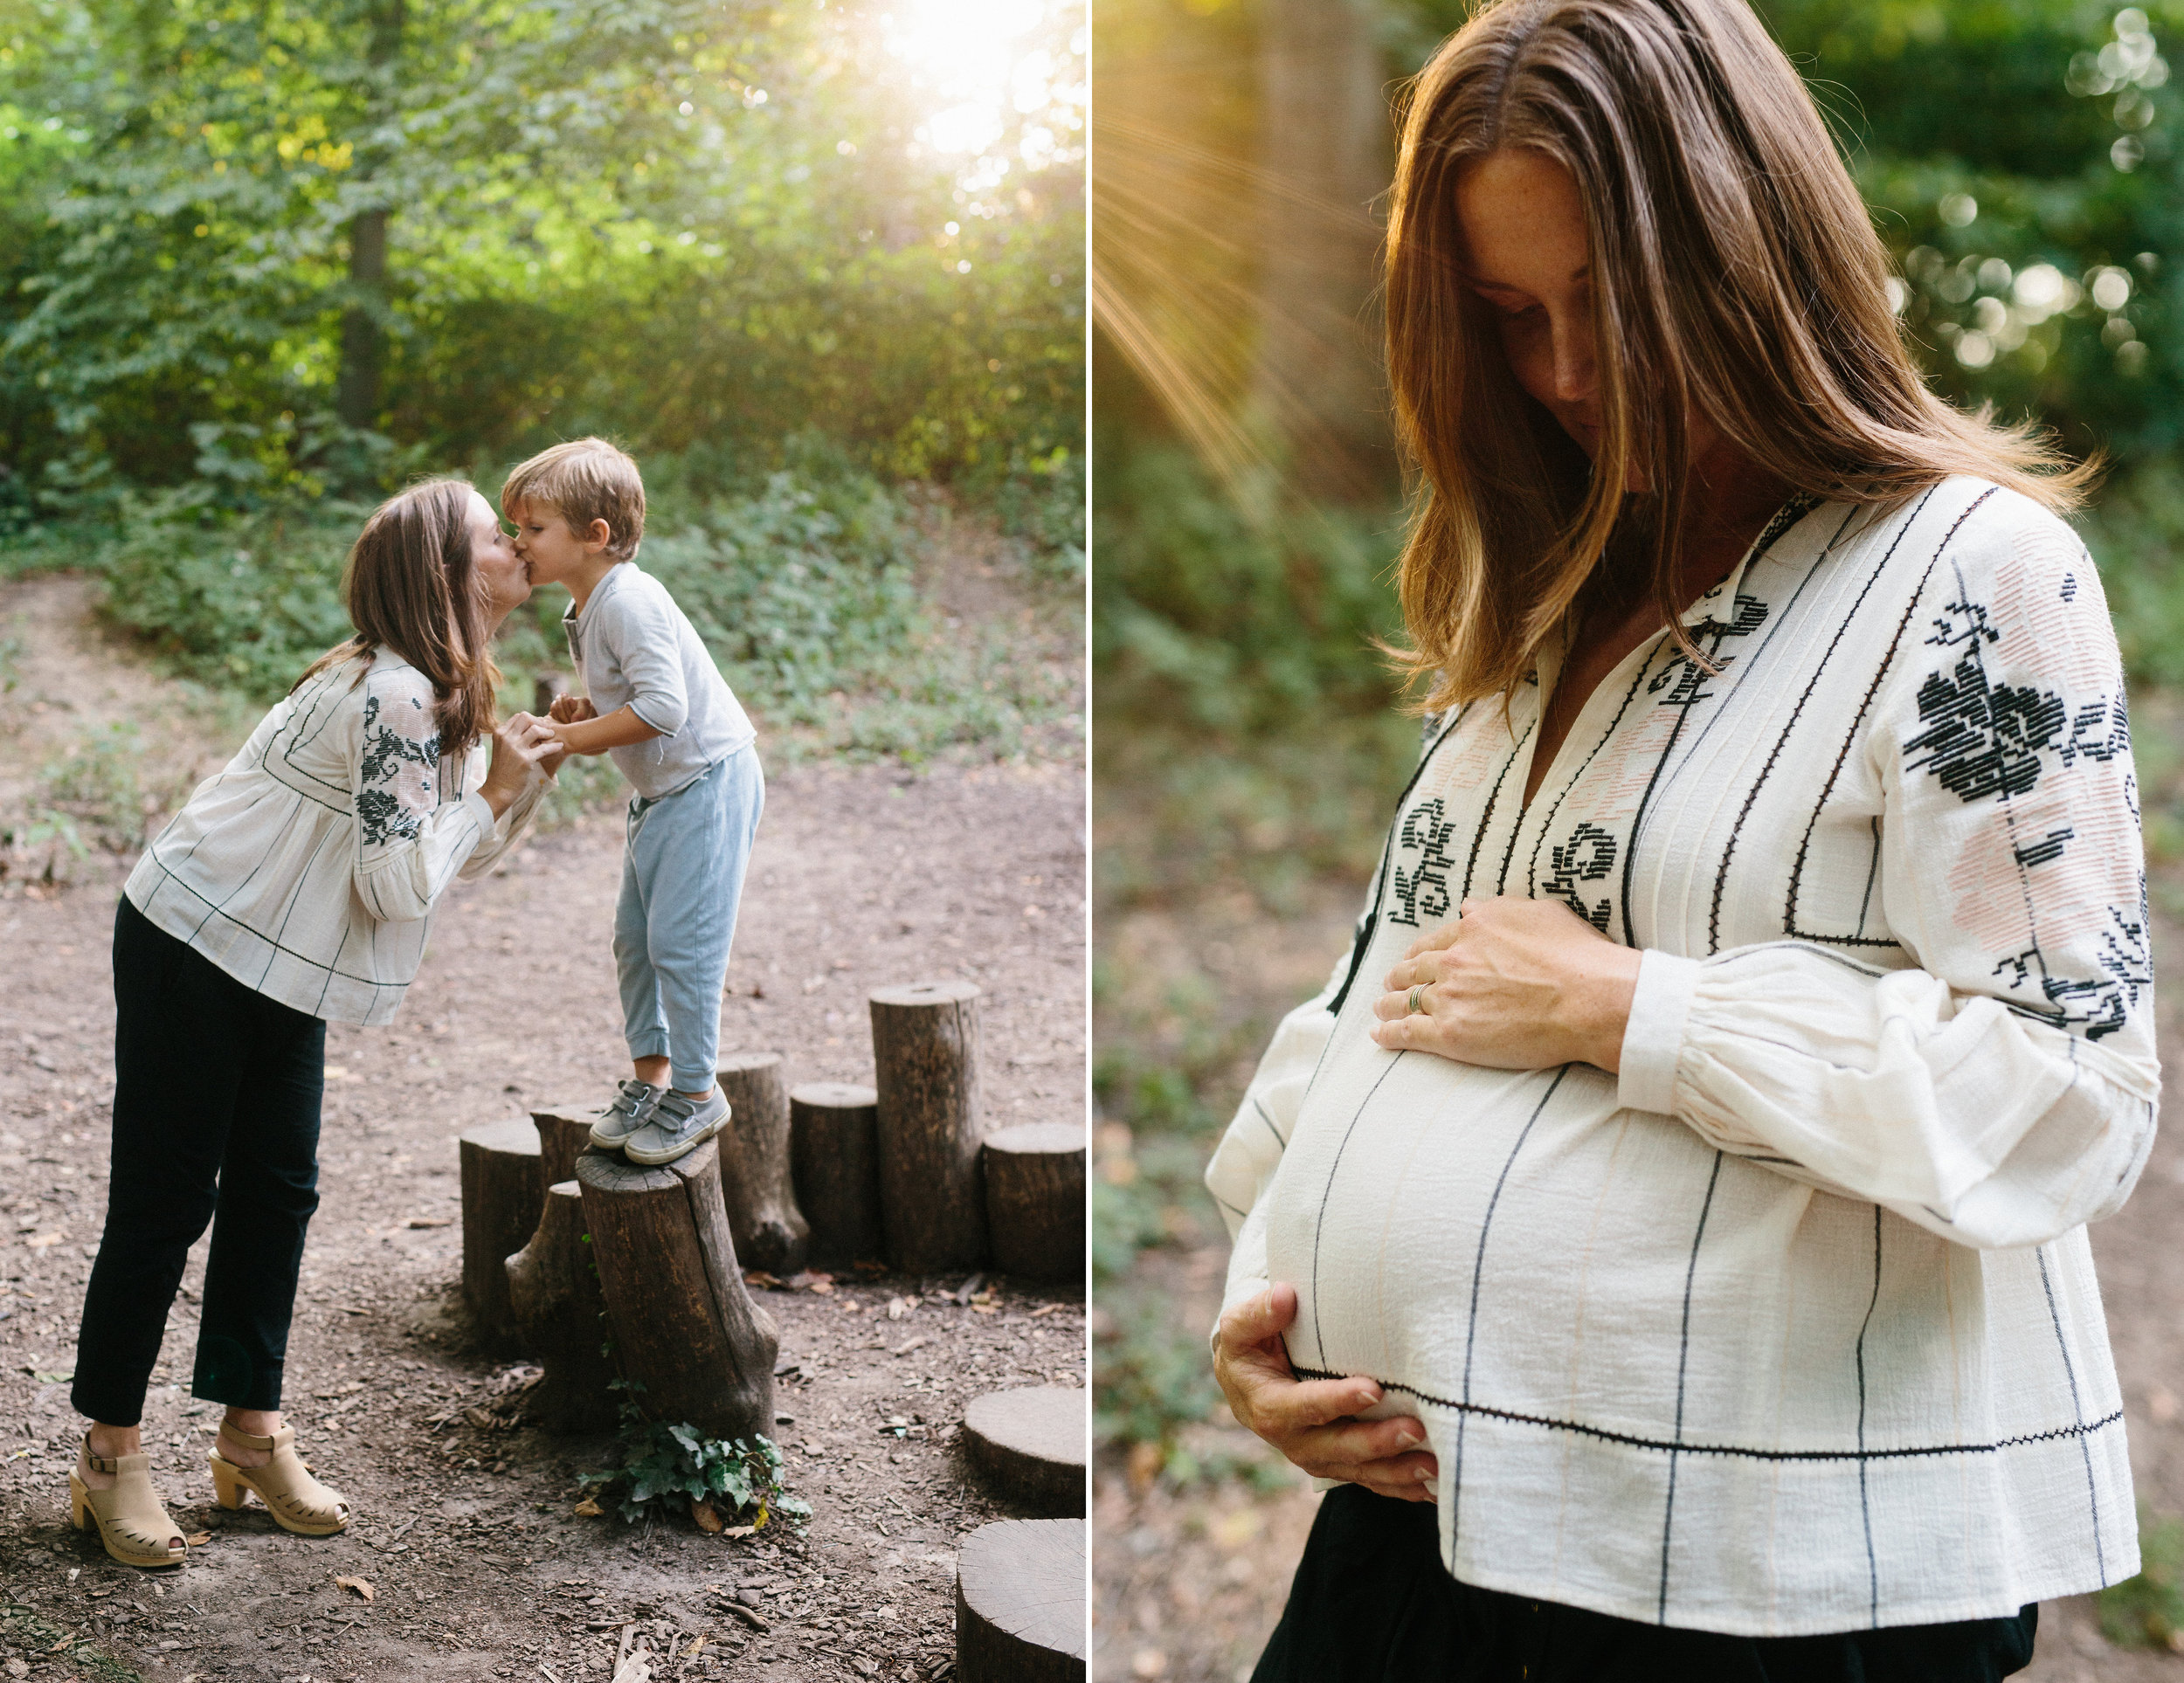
296, 888
1667, 1228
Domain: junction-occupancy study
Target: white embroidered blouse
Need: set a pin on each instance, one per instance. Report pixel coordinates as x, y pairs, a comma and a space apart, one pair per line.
1792, 1326
308, 867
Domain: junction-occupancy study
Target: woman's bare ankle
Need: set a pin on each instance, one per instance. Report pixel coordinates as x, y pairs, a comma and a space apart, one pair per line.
108, 1443
239, 1423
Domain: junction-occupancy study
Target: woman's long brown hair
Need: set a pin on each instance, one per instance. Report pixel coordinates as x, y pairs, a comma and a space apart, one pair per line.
410, 586
1735, 273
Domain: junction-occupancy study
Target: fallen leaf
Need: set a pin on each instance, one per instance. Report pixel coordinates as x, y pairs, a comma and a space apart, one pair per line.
1048, 1308
905, 1348
198, 1539
479, 1418
741, 1531
361, 1586
42, 1241
430, 1221
708, 1519
589, 1509
759, 1277
696, 1643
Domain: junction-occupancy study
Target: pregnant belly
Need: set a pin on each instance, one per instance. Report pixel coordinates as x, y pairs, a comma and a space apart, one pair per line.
1509, 1239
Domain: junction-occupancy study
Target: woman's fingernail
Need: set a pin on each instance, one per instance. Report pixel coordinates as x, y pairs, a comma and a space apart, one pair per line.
1410, 1435
1426, 1475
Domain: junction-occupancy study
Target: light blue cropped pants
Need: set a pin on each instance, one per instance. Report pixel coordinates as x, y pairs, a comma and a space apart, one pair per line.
683, 874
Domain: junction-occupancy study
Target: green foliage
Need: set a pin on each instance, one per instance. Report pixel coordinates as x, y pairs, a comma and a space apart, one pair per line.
666, 1468
802, 581
662, 218
2147, 1612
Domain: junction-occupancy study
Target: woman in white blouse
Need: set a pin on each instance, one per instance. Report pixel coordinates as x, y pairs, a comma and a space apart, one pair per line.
296, 888
1680, 1189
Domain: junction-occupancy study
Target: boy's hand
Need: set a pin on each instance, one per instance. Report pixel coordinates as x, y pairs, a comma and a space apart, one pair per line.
573, 710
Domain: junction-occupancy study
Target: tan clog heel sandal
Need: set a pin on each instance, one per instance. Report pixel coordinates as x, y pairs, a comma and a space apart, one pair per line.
297, 1502
131, 1520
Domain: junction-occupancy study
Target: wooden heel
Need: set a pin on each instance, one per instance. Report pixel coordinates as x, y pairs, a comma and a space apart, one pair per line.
79, 1504
227, 1489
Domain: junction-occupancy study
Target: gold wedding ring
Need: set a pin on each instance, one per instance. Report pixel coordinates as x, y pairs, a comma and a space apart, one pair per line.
1419, 989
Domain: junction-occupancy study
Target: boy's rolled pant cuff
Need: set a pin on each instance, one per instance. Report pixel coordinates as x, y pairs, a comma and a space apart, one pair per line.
647, 1046
689, 1081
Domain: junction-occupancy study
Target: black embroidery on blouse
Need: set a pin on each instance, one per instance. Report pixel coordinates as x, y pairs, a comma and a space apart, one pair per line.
1588, 856
2099, 1005
1982, 739
1424, 890
380, 812
1683, 678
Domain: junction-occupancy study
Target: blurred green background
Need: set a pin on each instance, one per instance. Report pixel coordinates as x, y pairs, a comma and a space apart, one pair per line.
819, 265
2024, 162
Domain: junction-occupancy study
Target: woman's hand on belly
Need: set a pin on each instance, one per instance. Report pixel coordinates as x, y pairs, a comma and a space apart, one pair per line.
1308, 1420
1513, 984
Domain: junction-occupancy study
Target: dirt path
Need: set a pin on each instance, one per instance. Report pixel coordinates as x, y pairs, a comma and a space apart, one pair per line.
480, 1567
1188, 1581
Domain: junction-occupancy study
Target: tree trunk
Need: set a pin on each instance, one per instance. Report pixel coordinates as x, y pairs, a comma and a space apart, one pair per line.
1029, 1445
769, 1231
1034, 1200
502, 1189
555, 1292
564, 1133
1325, 151
833, 1150
925, 1056
685, 1329
358, 388
1020, 1602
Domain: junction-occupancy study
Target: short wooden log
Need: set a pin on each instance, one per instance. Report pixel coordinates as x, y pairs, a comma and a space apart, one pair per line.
925, 1062
564, 1133
1029, 1445
1034, 1200
1020, 1602
684, 1328
502, 1189
771, 1233
562, 1316
833, 1151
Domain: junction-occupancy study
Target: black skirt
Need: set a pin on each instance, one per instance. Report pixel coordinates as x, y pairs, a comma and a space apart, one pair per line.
1372, 1604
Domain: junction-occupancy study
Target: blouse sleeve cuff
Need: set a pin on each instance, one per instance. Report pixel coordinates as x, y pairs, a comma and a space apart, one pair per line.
1652, 1039
481, 810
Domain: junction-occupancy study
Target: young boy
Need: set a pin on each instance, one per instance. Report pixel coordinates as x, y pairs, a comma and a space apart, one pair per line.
658, 704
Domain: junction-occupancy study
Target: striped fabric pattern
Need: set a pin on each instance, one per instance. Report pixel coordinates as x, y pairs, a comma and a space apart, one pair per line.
1791, 1327
308, 867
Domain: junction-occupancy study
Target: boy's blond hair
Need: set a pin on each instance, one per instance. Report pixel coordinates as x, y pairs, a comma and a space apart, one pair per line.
583, 481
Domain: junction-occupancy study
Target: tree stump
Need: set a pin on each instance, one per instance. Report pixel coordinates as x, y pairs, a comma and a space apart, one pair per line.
769, 1231
555, 1292
1034, 1200
685, 1329
833, 1153
925, 1058
1029, 1445
564, 1133
502, 1189
1020, 1602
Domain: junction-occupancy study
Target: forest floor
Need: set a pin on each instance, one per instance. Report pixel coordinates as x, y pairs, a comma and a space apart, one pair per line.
467, 1532
1190, 1575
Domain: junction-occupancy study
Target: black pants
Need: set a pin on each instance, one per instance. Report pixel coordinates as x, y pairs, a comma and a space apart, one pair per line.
1373, 1604
216, 1117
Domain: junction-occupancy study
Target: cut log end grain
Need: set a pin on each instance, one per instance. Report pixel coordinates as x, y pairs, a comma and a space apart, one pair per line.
1029, 1445
1020, 1602
1034, 1200
503, 1188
